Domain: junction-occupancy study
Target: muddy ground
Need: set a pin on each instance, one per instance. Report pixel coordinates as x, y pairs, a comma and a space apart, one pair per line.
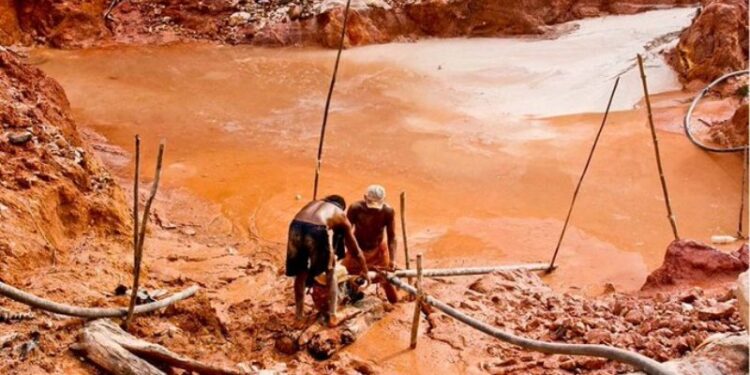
65, 229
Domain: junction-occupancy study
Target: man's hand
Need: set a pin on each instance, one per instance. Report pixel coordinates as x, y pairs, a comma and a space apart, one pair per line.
366, 276
391, 266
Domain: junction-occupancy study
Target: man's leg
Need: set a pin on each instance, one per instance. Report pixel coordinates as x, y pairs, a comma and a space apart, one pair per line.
299, 294
333, 288
390, 291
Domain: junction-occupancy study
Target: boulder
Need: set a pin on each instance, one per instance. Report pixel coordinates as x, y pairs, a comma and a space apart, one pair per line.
689, 262
715, 43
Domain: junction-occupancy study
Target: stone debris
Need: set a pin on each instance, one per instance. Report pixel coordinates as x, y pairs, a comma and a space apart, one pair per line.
20, 138
659, 325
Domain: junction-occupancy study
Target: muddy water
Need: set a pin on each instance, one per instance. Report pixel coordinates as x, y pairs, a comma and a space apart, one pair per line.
487, 137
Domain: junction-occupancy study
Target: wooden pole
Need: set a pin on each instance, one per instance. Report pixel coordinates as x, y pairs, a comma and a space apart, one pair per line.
634, 359
328, 101
583, 174
670, 215
136, 183
743, 194
403, 231
417, 304
142, 236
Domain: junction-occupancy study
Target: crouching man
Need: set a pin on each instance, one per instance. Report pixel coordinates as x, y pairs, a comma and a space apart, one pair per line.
371, 218
310, 249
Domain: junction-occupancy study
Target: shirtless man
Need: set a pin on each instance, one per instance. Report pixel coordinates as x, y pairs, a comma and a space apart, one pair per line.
309, 246
370, 218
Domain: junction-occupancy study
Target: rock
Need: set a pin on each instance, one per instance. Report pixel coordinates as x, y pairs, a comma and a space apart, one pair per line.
718, 311
689, 262
742, 292
239, 18
294, 13
720, 354
286, 345
634, 317
598, 336
19, 138
715, 43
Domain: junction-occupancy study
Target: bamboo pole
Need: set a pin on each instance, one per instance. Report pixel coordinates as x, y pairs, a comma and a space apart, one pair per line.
142, 235
417, 304
85, 312
670, 215
636, 360
470, 271
583, 174
328, 101
743, 194
403, 231
136, 182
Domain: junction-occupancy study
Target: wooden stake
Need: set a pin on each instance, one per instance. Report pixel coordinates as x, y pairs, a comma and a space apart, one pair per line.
583, 174
743, 194
136, 183
417, 304
403, 231
670, 215
142, 235
328, 101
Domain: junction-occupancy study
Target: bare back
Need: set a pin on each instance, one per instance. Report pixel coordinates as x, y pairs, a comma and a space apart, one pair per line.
321, 213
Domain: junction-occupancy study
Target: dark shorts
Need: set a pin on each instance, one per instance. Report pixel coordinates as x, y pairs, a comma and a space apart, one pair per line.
307, 250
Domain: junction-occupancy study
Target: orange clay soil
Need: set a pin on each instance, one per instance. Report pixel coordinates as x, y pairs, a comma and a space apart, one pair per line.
241, 128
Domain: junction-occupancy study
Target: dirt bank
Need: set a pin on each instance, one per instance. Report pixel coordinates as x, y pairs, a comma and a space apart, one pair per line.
53, 190
298, 22
716, 43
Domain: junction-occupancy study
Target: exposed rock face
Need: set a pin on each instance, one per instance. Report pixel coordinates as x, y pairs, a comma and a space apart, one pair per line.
731, 132
286, 22
688, 262
51, 189
716, 43
73, 23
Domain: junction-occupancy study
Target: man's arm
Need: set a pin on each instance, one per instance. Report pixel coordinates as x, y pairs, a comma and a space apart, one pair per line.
352, 245
390, 230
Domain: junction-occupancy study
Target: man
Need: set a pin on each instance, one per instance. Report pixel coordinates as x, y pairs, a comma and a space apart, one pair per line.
309, 245
370, 218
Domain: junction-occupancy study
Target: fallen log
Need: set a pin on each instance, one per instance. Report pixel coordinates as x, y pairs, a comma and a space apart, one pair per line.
636, 360
110, 356
104, 342
445, 272
89, 312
